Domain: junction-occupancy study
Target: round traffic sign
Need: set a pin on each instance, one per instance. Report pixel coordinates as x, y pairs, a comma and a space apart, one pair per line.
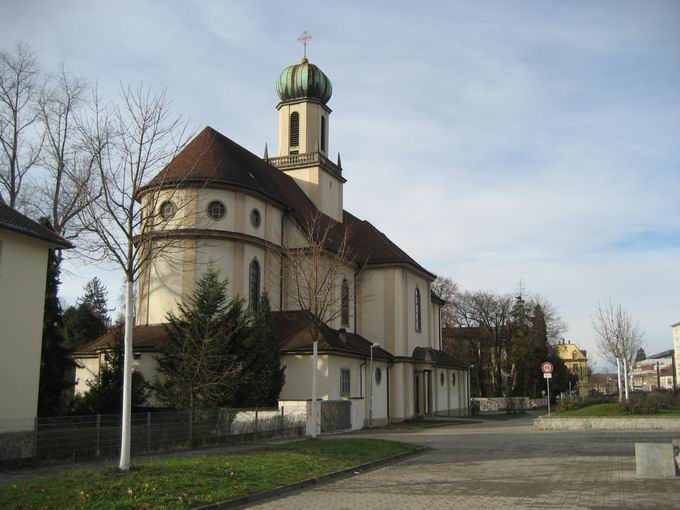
547, 367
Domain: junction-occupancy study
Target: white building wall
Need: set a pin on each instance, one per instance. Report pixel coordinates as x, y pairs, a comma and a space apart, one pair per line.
23, 270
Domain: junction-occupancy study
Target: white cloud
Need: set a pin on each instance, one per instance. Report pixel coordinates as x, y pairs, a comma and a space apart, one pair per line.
493, 141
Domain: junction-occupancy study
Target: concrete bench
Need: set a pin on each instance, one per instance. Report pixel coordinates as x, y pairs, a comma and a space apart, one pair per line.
656, 460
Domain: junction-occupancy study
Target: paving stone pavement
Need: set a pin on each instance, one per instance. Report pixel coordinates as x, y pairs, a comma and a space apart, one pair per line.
502, 465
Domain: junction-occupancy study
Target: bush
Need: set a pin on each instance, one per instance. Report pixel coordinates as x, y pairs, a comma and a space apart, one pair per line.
650, 403
569, 404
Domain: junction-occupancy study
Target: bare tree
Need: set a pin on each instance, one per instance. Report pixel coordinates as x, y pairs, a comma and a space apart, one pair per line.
129, 143
492, 312
72, 181
618, 338
18, 92
446, 288
319, 267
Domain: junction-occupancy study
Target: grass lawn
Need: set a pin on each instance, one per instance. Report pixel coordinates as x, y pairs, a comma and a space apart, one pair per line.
611, 409
189, 482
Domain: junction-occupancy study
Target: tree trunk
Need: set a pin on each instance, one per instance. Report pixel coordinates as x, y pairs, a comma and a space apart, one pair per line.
625, 372
618, 377
127, 379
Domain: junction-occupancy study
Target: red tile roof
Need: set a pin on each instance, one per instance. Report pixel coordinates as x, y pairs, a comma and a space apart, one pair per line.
13, 220
148, 336
212, 159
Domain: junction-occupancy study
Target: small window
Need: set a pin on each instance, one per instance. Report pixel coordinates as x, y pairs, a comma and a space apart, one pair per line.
378, 376
216, 210
323, 133
453, 379
294, 140
345, 382
441, 378
167, 210
418, 310
344, 303
255, 218
254, 286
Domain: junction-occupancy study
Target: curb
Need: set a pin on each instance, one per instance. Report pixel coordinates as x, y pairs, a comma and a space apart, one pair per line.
241, 501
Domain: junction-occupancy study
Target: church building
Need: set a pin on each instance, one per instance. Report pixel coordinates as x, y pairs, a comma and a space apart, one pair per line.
380, 336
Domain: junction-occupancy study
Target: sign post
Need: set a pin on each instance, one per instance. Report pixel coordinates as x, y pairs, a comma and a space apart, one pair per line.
547, 369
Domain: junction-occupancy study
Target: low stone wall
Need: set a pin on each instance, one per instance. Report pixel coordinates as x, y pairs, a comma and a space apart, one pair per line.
16, 445
494, 404
588, 423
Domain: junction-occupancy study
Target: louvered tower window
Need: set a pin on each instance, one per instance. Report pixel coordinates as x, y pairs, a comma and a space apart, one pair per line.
323, 134
294, 141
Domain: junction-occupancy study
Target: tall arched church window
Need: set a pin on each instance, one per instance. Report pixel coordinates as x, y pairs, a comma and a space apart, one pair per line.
418, 310
344, 303
294, 140
323, 133
254, 286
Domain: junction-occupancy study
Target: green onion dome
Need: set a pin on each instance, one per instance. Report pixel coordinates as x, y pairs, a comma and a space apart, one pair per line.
303, 81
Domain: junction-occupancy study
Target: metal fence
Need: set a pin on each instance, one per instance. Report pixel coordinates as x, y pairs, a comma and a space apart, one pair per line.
81, 437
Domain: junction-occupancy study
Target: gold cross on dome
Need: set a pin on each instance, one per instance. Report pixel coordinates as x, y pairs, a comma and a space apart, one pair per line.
304, 39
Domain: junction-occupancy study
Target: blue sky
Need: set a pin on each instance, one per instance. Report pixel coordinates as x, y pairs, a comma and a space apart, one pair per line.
495, 141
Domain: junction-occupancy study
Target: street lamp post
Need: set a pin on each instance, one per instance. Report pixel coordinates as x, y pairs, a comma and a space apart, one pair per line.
370, 391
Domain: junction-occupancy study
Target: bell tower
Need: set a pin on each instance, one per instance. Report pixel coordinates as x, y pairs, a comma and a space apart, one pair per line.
304, 116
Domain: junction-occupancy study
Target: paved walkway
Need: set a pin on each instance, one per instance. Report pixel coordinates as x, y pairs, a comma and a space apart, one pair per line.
502, 465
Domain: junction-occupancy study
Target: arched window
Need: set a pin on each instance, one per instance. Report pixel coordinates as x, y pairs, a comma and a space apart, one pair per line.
254, 287
418, 308
344, 303
323, 133
294, 140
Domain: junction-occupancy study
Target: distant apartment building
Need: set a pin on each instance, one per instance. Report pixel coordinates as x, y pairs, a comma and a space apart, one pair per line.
576, 360
603, 383
654, 372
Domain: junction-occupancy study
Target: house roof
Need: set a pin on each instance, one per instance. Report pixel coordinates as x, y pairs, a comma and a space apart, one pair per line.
212, 159
144, 337
662, 354
294, 329
11, 219
438, 357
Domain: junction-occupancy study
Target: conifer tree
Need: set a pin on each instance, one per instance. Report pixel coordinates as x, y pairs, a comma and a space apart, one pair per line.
55, 364
95, 298
105, 391
263, 373
81, 325
199, 366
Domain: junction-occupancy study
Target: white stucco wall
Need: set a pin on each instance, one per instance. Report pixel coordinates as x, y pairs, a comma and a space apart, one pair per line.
88, 366
23, 271
172, 277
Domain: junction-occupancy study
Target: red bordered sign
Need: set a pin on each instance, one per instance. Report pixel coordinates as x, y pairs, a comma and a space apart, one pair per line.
547, 367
